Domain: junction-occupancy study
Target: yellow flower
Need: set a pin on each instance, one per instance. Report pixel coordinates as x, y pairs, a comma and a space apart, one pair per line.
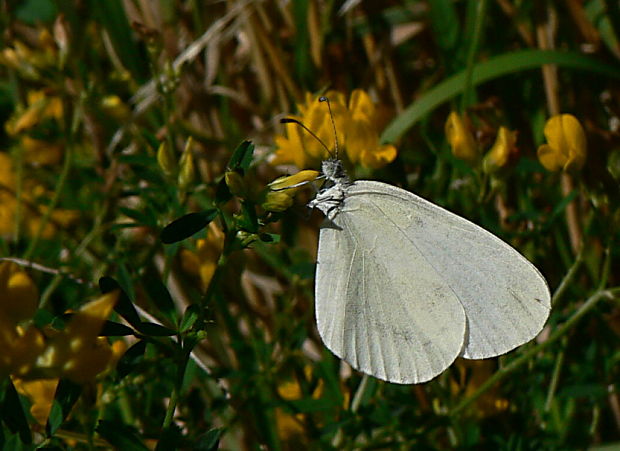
285, 188
460, 138
18, 302
114, 106
498, 156
40, 106
362, 136
19, 296
203, 262
472, 374
40, 152
32, 209
41, 394
357, 127
566, 148
290, 426
77, 352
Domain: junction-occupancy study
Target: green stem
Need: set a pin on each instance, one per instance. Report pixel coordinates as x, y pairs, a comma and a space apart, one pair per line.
172, 405
355, 403
555, 378
472, 51
568, 278
526, 356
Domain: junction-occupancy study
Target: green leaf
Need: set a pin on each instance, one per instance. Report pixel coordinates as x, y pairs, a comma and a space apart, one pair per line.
155, 330
113, 329
120, 436
159, 295
67, 394
170, 439
33, 11
242, 156
13, 415
192, 313
139, 216
186, 226
132, 358
445, 24
123, 306
495, 67
209, 441
249, 220
222, 192
111, 14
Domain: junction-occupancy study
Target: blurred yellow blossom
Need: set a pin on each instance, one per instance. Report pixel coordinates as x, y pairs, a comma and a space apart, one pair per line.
460, 138
29, 61
472, 374
41, 393
203, 261
498, 156
18, 303
76, 352
115, 107
358, 125
20, 296
291, 425
40, 106
32, 209
362, 134
41, 152
566, 144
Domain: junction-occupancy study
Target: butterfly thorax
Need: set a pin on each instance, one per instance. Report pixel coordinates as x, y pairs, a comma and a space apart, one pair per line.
331, 196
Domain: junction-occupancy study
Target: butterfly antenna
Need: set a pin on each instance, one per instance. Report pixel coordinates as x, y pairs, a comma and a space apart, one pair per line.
290, 120
331, 117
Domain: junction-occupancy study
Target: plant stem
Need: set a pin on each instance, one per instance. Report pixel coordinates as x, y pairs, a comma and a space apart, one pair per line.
525, 357
472, 51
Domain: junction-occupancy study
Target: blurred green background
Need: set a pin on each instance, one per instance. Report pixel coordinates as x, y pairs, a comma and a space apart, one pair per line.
139, 140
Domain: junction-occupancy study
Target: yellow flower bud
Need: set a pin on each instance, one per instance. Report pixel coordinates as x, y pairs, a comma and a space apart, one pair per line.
497, 157
114, 106
165, 158
566, 144
301, 177
277, 201
460, 139
235, 183
187, 173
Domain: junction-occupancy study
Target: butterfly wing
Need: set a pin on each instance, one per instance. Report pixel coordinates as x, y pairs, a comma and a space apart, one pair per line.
380, 304
505, 298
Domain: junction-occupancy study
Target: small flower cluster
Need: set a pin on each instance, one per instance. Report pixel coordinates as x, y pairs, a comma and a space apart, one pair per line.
358, 124
565, 148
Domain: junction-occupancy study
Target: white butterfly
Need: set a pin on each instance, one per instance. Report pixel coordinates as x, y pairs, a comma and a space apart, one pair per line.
403, 287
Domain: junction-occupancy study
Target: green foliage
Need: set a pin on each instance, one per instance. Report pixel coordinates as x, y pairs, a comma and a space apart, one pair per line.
213, 329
